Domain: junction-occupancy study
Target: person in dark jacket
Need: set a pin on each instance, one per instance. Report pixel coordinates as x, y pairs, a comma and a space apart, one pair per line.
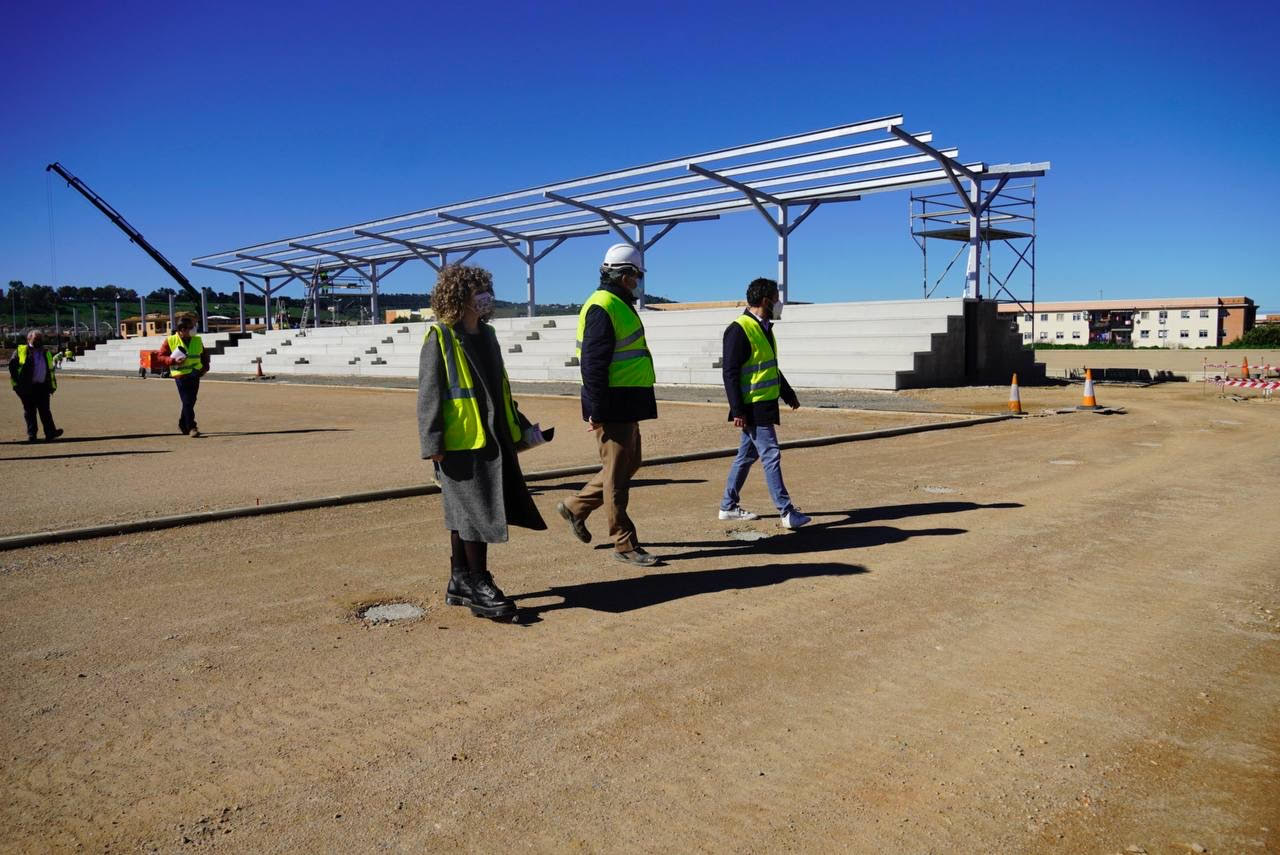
617, 394
31, 372
753, 383
469, 428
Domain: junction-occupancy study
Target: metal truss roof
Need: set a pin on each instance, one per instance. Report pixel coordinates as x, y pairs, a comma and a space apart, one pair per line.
838, 164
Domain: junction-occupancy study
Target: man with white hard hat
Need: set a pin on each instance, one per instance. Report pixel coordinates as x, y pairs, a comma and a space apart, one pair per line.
617, 394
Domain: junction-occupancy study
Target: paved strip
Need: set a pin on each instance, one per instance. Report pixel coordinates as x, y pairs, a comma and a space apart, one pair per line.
43, 538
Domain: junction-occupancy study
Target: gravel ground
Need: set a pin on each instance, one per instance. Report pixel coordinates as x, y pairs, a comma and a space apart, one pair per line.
1056, 634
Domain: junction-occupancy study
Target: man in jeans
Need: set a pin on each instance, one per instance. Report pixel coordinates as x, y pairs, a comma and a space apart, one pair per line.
617, 394
753, 384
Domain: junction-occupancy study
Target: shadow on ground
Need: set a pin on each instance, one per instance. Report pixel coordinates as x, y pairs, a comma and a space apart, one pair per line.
625, 595
575, 486
175, 433
88, 454
218, 433
825, 534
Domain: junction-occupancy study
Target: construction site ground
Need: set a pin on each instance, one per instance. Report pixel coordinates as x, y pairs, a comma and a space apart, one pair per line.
1059, 633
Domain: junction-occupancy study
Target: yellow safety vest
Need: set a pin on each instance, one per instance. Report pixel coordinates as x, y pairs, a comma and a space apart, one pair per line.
23, 350
462, 428
760, 380
632, 364
193, 348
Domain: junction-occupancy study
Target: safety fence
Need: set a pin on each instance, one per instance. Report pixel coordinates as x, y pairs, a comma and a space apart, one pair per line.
1268, 387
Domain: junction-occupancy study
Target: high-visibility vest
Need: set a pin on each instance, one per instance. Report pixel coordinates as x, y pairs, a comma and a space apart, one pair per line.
632, 364
23, 350
193, 348
462, 428
760, 380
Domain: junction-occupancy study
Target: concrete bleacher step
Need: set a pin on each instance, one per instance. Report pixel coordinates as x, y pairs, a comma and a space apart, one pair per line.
887, 345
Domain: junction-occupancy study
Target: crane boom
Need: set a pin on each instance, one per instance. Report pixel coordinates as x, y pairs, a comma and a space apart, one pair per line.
134, 235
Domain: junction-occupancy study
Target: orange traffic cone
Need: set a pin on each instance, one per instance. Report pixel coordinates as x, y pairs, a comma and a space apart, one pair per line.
1089, 402
1244, 368
1015, 402
260, 368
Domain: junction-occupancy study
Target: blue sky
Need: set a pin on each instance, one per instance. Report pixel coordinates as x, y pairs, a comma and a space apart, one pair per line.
233, 123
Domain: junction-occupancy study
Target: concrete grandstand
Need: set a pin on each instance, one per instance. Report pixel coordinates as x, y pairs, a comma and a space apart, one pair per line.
896, 344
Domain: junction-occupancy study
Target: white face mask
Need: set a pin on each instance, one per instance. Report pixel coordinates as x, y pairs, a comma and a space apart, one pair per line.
776, 312
482, 302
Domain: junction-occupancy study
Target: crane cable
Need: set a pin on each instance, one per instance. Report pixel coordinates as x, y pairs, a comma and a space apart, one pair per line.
53, 262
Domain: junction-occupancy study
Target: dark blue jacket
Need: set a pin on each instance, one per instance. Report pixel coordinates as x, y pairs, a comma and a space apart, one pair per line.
737, 351
599, 402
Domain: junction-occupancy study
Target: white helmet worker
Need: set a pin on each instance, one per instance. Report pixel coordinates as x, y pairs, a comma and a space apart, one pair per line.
623, 255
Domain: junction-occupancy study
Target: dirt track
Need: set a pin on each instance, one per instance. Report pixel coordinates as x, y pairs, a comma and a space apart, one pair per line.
267, 443
1060, 634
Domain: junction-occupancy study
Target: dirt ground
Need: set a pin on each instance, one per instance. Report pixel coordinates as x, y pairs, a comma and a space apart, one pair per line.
122, 457
1055, 634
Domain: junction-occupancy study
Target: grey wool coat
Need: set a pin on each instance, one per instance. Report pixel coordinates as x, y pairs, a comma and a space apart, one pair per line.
484, 489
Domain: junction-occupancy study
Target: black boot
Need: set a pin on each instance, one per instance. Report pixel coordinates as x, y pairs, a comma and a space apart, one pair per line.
487, 599
459, 591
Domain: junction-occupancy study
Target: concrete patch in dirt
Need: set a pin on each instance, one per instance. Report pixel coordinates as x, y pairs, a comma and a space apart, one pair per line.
390, 613
748, 535
941, 490
1065, 462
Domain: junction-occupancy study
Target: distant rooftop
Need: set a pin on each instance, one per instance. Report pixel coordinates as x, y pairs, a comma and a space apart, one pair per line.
1120, 305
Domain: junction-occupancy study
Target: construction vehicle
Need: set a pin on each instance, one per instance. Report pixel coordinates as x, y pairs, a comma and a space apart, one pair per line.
134, 235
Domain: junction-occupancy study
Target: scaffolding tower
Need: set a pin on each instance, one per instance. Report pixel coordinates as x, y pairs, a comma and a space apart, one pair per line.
1006, 221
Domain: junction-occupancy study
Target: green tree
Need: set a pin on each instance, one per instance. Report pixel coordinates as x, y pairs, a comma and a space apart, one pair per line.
1263, 335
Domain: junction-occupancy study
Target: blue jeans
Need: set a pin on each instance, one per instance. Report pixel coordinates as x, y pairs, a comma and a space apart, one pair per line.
759, 442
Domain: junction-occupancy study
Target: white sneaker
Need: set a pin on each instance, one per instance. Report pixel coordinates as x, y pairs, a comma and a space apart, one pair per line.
739, 513
794, 519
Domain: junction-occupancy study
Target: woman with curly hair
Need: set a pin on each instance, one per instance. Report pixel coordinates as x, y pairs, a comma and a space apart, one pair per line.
469, 428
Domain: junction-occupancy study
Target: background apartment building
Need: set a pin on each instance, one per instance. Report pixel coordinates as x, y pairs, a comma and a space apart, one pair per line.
1164, 322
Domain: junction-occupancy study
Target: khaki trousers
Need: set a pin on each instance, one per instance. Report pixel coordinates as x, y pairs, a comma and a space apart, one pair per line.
619, 447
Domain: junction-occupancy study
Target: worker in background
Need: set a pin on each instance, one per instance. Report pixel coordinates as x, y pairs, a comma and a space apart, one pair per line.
753, 383
617, 394
31, 371
188, 361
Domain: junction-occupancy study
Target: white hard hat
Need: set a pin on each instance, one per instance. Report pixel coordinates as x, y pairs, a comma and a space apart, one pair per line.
623, 254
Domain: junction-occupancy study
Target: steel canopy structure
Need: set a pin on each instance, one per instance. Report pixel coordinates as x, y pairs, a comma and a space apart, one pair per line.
784, 180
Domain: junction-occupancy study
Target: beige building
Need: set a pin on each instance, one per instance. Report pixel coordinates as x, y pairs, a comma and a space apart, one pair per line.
156, 323
1176, 322
398, 315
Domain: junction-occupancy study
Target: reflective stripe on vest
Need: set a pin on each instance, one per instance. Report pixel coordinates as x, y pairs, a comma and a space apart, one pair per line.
760, 380
462, 428
23, 350
193, 349
632, 364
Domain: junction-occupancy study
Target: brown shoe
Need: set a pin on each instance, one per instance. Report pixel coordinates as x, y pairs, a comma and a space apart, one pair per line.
638, 557
577, 526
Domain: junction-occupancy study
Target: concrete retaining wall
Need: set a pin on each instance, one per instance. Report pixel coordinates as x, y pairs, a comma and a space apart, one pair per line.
1184, 363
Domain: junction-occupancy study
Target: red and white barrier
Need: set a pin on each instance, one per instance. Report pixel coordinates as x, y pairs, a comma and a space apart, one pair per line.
1253, 384
1267, 386
1228, 366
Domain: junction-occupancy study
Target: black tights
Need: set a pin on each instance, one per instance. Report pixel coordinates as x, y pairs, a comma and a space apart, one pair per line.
472, 555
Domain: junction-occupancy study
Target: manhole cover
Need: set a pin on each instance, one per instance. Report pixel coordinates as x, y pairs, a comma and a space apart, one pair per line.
391, 612
748, 535
939, 490
1065, 462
